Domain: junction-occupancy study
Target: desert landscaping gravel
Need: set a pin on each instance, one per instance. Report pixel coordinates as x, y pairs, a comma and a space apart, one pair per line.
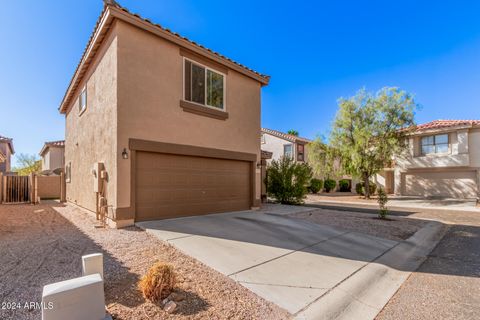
393, 228
447, 284
44, 243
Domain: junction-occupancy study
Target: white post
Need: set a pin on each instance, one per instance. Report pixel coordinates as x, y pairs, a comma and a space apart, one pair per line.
75, 299
92, 263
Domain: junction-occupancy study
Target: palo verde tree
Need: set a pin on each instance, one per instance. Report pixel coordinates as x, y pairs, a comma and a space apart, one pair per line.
27, 164
324, 160
369, 129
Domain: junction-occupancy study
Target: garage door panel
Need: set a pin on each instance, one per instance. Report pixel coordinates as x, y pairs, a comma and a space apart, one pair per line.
452, 184
172, 185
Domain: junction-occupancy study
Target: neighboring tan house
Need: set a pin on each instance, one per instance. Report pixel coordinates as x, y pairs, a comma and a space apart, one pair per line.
443, 160
283, 144
6, 151
158, 126
53, 155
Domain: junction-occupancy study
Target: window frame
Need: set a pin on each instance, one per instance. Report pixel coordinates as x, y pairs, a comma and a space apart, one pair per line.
434, 144
302, 146
82, 110
292, 150
224, 109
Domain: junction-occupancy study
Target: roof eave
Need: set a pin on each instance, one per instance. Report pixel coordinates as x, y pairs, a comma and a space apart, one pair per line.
44, 149
441, 129
109, 14
90, 51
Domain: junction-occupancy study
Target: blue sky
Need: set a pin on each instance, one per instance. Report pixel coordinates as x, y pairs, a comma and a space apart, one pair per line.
315, 52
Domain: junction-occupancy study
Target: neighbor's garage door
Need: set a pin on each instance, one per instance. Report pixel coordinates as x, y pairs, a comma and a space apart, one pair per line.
452, 184
170, 186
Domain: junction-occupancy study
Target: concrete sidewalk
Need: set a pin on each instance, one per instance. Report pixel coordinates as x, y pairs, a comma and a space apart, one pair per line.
396, 202
290, 262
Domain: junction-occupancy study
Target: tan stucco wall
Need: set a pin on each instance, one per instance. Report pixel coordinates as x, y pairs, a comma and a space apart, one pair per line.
463, 156
53, 158
150, 87
6, 165
275, 145
48, 187
91, 136
474, 147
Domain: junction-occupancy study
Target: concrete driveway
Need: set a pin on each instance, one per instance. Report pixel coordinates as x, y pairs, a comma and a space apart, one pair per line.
288, 261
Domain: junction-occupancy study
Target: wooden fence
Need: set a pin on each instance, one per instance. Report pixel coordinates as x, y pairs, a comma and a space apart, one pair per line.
16, 189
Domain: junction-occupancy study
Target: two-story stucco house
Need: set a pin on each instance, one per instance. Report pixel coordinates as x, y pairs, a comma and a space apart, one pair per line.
283, 144
53, 155
443, 160
6, 151
158, 126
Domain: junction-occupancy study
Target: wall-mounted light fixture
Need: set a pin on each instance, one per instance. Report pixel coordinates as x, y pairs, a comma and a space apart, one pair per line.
125, 153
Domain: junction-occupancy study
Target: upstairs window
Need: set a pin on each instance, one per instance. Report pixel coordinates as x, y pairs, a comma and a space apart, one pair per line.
82, 100
204, 86
288, 150
434, 144
300, 152
262, 138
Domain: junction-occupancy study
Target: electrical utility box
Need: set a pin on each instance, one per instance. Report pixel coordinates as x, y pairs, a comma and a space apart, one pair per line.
98, 173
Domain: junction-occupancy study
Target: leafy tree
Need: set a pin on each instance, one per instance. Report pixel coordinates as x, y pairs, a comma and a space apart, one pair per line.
27, 164
287, 181
369, 129
324, 160
293, 132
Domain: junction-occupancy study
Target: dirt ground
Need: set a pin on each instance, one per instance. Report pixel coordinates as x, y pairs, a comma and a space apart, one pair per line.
394, 228
44, 243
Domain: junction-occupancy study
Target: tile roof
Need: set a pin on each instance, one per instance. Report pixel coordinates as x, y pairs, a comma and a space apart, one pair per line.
285, 136
48, 144
9, 141
113, 4
441, 124
58, 143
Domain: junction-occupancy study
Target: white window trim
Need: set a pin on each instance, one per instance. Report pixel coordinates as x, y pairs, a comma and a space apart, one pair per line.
292, 150
84, 89
433, 154
224, 109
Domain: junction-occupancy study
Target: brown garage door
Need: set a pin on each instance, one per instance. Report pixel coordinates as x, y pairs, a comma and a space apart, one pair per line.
175, 185
450, 184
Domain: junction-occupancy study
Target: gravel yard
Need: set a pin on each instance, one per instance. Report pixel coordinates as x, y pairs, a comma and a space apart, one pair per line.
395, 228
44, 243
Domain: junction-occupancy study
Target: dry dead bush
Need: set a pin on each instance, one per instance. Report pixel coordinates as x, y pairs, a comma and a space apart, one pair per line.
158, 283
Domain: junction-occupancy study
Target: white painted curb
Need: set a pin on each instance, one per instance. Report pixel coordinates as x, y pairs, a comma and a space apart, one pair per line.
364, 294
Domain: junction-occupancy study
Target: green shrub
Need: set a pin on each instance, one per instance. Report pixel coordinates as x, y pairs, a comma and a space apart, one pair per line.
382, 203
330, 185
359, 188
287, 181
344, 185
315, 185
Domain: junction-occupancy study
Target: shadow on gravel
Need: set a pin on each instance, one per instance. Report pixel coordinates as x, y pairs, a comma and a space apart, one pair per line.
39, 246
